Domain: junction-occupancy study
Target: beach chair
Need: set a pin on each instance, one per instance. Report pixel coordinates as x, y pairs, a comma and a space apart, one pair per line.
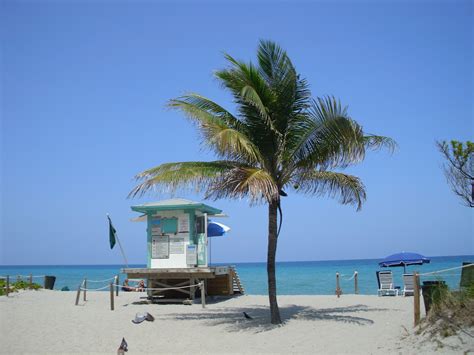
408, 285
386, 287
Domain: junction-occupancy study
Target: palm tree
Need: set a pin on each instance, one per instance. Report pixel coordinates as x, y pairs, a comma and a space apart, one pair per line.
280, 139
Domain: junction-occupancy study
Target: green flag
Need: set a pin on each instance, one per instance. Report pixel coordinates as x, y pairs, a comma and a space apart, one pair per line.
112, 232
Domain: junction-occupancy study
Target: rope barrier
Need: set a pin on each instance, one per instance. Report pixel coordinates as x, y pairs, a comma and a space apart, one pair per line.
94, 289
144, 289
112, 278
170, 288
351, 278
440, 271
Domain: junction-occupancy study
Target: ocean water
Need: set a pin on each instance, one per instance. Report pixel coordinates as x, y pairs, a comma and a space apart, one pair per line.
293, 278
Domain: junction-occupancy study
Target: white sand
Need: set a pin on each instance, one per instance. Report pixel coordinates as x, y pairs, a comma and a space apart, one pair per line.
49, 322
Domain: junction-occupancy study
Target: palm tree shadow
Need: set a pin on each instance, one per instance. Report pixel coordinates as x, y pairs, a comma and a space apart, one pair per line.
234, 321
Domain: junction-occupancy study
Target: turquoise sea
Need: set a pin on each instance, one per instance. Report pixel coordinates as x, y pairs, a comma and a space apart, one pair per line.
301, 277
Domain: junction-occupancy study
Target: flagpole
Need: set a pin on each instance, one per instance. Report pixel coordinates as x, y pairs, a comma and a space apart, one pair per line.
120, 245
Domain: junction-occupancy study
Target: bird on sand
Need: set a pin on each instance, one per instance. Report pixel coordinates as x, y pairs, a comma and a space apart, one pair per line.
247, 316
123, 347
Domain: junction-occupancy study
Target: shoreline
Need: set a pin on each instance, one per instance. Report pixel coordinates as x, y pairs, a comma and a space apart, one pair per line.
48, 322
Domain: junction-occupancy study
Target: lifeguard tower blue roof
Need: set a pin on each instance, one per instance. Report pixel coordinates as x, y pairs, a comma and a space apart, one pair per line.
176, 204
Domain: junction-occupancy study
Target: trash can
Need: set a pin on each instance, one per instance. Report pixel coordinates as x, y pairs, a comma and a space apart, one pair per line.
433, 291
49, 282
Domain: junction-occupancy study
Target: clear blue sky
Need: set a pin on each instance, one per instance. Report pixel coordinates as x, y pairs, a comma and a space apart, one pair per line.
84, 86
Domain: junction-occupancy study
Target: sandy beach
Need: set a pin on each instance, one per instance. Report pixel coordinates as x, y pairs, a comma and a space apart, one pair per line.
49, 322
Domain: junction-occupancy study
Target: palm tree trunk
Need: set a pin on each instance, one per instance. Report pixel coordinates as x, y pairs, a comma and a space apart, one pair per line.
272, 247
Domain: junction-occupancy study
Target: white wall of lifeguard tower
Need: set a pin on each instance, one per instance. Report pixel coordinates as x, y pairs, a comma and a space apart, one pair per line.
172, 243
176, 233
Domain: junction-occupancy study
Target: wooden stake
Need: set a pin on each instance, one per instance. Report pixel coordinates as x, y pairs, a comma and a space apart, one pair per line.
192, 289
31, 280
117, 282
338, 289
8, 285
203, 294
78, 295
356, 283
416, 298
85, 287
111, 296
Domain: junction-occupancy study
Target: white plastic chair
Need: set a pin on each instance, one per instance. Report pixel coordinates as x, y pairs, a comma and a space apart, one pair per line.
386, 284
408, 285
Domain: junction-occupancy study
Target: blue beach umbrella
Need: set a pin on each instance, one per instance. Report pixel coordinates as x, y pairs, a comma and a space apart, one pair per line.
216, 229
404, 259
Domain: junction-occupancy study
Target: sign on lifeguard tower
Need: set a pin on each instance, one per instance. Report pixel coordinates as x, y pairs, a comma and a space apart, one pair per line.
176, 233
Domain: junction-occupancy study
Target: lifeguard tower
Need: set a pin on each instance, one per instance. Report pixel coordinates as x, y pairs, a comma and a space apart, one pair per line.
177, 251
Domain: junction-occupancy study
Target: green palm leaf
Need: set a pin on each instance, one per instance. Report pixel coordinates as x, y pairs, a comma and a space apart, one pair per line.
347, 188
171, 176
221, 131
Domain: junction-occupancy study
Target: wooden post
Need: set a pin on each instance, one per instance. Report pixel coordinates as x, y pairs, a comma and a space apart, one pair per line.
192, 289
31, 280
338, 289
356, 282
203, 294
8, 285
111, 296
85, 288
117, 283
78, 295
416, 298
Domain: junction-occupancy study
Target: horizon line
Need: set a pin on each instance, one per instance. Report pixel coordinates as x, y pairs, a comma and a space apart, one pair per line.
234, 262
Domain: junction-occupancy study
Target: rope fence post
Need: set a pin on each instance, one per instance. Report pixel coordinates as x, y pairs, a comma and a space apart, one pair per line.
356, 282
8, 285
31, 280
111, 296
338, 288
203, 294
416, 298
117, 282
85, 288
78, 295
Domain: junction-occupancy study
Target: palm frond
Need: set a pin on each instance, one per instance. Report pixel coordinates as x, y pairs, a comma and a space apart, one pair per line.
250, 92
329, 137
374, 142
347, 188
292, 93
221, 131
217, 179
171, 176
194, 104
240, 182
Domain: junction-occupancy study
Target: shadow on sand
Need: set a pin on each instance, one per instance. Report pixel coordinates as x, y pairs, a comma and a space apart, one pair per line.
234, 320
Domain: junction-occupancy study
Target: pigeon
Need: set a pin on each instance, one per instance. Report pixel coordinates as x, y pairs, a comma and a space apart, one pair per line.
247, 316
149, 317
123, 347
